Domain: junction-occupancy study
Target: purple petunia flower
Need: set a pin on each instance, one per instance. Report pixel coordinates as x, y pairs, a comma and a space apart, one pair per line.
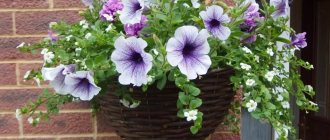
56, 77
252, 12
248, 25
132, 11
282, 8
110, 9
134, 30
131, 61
81, 85
299, 40
250, 39
214, 20
189, 50
51, 35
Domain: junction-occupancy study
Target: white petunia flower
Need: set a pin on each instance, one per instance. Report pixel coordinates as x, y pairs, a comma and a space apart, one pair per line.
279, 98
270, 75
83, 22
48, 57
250, 82
108, 28
245, 66
88, 35
191, 115
30, 120
246, 50
195, 3
21, 45
270, 51
251, 105
27, 74
286, 105
18, 114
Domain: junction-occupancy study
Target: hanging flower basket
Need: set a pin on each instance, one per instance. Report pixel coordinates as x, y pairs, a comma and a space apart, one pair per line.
168, 69
156, 116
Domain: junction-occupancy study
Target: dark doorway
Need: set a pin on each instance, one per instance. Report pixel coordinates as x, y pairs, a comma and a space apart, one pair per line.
315, 20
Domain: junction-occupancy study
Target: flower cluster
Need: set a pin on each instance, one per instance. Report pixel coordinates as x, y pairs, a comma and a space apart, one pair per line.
143, 43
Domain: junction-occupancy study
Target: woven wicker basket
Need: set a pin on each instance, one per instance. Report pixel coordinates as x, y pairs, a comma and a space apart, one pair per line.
156, 117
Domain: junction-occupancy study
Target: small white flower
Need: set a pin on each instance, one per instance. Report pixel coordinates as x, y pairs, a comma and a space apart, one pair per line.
68, 38
311, 67
85, 26
37, 81
246, 50
270, 75
124, 102
150, 79
312, 103
30, 120
279, 98
155, 51
44, 51
245, 66
76, 43
250, 82
257, 58
134, 105
37, 120
18, 114
108, 17
27, 74
108, 28
78, 50
186, 5
88, 35
48, 57
285, 105
309, 88
195, 3
52, 24
21, 45
251, 105
191, 115
270, 51
83, 22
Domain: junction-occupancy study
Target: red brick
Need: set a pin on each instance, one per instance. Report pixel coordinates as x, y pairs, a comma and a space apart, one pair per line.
8, 125
66, 123
109, 138
12, 99
68, 4
8, 50
78, 138
8, 74
6, 22
102, 124
225, 136
38, 22
36, 139
4, 4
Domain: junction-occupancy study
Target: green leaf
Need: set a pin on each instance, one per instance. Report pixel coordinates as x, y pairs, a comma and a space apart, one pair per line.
194, 129
162, 82
195, 103
192, 90
270, 106
284, 40
180, 81
184, 99
180, 113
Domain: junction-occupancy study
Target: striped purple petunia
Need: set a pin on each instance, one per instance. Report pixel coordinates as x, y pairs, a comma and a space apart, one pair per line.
131, 61
299, 40
132, 11
281, 6
188, 50
214, 20
57, 75
110, 9
134, 30
81, 85
252, 12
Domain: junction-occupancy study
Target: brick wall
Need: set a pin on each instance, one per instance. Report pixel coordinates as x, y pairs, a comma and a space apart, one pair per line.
27, 21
